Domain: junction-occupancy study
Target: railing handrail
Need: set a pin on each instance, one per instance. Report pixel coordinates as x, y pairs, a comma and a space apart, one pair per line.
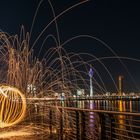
96, 110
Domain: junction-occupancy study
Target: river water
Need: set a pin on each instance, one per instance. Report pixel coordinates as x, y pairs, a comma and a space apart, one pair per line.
112, 105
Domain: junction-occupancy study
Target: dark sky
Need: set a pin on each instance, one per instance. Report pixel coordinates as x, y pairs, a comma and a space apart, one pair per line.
116, 22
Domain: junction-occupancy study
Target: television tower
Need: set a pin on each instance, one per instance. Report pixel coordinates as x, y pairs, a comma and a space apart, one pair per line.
91, 85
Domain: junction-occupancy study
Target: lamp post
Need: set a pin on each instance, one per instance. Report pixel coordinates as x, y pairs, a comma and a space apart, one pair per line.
91, 85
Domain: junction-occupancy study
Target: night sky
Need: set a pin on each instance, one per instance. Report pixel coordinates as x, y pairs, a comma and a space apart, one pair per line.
116, 22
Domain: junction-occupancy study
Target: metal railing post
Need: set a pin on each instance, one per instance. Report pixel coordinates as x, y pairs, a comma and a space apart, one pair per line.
61, 125
82, 126
111, 126
77, 126
102, 126
50, 120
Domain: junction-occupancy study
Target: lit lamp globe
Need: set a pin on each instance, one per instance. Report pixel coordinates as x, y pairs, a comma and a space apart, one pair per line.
12, 106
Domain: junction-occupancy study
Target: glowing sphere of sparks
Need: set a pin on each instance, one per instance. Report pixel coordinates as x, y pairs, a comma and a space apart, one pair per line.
12, 106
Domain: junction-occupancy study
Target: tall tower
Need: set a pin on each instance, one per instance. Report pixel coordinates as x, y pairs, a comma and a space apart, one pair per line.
91, 85
120, 85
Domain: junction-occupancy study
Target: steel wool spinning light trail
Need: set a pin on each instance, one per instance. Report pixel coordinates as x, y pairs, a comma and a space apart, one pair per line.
12, 106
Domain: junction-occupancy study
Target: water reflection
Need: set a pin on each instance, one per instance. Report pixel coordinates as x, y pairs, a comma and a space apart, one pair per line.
121, 118
112, 105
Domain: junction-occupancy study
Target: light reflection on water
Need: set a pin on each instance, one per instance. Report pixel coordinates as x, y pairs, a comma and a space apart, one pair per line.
112, 105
